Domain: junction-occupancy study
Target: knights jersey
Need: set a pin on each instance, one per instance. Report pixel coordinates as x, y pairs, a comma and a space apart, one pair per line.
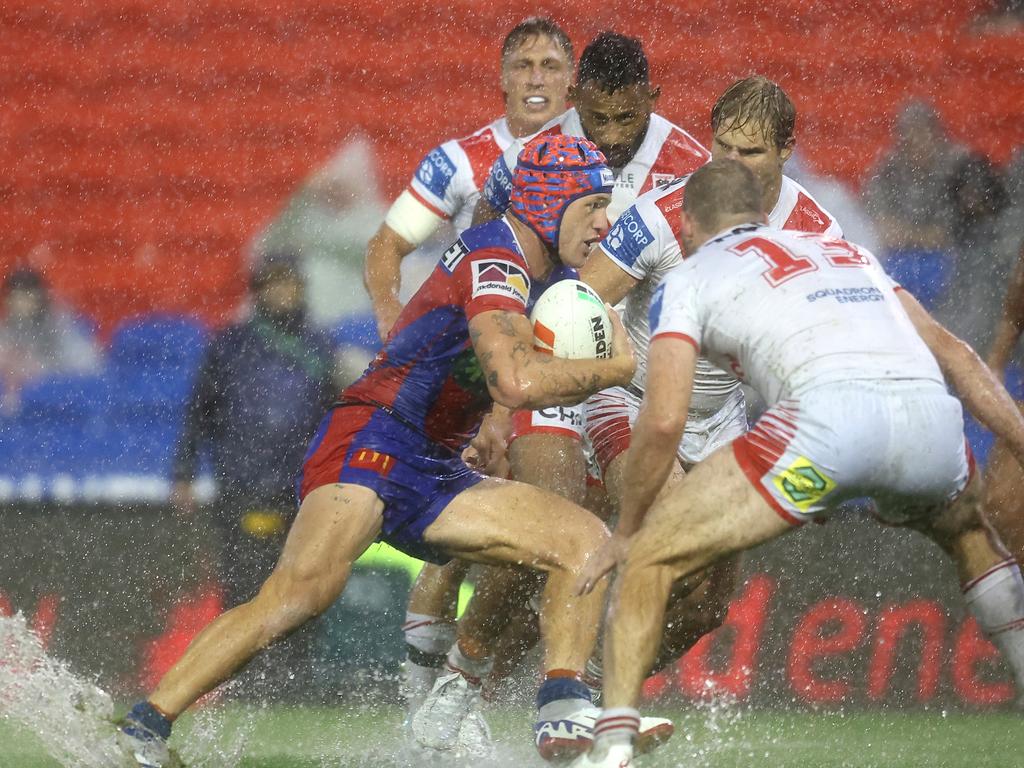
645, 243
427, 374
448, 180
667, 151
791, 311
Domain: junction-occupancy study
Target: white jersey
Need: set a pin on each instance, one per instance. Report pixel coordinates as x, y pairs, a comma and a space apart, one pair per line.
447, 183
666, 152
645, 243
788, 312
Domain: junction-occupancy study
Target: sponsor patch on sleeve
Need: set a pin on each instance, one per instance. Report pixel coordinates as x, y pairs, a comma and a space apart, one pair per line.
497, 277
436, 172
625, 241
455, 253
498, 187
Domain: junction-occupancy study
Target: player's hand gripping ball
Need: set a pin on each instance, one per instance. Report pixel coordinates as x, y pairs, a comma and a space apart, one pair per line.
570, 321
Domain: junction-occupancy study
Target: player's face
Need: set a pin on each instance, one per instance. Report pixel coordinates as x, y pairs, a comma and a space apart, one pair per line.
749, 143
617, 121
584, 223
535, 79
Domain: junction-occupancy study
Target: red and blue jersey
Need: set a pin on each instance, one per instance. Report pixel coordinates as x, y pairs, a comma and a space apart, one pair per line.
427, 374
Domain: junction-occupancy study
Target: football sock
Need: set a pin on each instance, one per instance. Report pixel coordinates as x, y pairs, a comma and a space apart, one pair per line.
427, 638
151, 718
471, 667
996, 599
618, 724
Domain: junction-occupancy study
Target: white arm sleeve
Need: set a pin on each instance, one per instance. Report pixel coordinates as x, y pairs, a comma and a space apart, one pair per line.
412, 220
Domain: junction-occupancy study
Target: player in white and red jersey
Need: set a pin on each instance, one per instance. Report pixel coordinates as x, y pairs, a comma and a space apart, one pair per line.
536, 70
852, 370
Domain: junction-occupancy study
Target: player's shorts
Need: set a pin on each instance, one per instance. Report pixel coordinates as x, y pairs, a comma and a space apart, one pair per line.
609, 416
564, 420
414, 476
899, 442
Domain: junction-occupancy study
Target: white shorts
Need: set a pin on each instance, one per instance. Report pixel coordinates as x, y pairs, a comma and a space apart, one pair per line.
564, 420
609, 416
899, 442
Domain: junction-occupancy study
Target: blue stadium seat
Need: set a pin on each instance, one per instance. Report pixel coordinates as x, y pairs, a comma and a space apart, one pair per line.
63, 397
926, 274
163, 341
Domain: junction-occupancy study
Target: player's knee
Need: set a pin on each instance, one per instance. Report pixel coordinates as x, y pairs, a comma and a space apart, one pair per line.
575, 546
293, 598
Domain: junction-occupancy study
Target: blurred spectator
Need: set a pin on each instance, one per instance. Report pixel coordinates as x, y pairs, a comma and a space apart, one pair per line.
1004, 17
39, 337
985, 245
908, 198
261, 391
328, 223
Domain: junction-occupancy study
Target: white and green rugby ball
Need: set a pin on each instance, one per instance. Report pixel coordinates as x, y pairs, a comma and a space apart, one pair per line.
570, 320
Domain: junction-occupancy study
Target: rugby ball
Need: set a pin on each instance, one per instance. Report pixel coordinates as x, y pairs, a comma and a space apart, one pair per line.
570, 320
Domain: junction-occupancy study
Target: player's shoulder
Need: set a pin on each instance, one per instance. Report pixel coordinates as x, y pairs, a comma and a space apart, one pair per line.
678, 152
494, 135
798, 210
490, 240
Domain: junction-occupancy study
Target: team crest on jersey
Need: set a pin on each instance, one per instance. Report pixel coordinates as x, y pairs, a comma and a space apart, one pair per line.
661, 179
496, 277
803, 483
455, 253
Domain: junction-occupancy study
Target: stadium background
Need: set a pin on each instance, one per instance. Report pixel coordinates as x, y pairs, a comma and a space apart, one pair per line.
142, 144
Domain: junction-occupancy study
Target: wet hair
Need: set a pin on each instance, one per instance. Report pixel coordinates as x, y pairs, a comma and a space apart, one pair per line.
613, 61
720, 190
273, 267
757, 100
533, 27
24, 279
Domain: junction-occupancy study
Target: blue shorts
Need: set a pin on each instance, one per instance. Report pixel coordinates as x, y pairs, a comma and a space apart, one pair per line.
414, 476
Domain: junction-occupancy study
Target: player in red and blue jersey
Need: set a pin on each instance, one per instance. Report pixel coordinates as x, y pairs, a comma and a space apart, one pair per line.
385, 462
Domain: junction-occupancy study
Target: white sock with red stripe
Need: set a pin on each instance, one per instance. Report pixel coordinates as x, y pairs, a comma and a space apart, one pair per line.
996, 599
617, 725
470, 667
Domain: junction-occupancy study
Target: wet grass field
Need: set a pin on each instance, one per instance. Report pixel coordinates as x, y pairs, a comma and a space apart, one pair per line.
281, 737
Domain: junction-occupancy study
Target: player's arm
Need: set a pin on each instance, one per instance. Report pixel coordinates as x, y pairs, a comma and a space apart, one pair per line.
606, 277
517, 376
484, 212
408, 224
1011, 323
974, 381
671, 364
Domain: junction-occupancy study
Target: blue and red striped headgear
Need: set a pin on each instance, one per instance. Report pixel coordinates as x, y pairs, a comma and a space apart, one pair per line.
551, 172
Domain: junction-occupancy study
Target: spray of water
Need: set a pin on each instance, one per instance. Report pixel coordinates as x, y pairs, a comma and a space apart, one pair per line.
69, 714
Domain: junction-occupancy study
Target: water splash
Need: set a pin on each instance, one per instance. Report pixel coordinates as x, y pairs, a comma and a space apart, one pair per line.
69, 714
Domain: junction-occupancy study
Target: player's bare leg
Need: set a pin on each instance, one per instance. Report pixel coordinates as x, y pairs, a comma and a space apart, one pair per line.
335, 524
547, 461
989, 575
429, 628
1004, 497
697, 604
682, 533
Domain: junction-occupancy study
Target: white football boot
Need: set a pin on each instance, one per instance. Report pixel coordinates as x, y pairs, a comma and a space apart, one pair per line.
567, 730
618, 755
437, 723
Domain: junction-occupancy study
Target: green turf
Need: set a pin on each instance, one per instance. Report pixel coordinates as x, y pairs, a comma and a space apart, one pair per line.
281, 737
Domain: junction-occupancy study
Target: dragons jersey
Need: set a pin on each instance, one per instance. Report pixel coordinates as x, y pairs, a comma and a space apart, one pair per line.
645, 243
667, 151
427, 374
789, 312
448, 180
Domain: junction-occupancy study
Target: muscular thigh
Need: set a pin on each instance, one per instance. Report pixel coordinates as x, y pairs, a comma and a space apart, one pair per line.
503, 521
714, 511
550, 460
